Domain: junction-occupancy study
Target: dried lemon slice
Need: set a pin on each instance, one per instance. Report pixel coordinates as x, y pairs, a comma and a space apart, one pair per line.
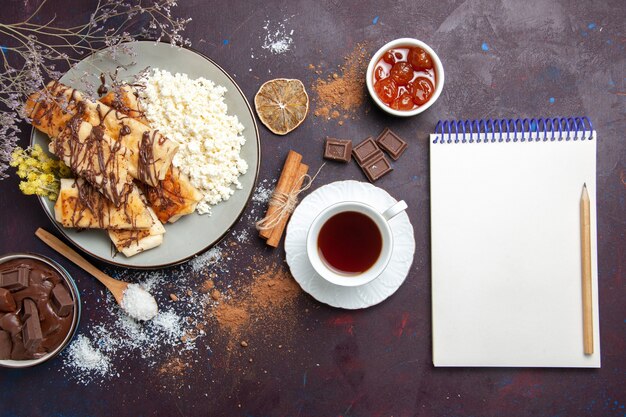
282, 105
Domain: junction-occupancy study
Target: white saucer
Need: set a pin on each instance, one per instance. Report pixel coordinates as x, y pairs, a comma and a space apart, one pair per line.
348, 297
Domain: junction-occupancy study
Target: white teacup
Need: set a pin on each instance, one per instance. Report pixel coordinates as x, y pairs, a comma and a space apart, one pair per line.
382, 222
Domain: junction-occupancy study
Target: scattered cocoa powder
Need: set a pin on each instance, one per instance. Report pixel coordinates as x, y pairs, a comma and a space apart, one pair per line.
270, 293
274, 288
343, 92
173, 372
207, 286
174, 367
232, 317
324, 112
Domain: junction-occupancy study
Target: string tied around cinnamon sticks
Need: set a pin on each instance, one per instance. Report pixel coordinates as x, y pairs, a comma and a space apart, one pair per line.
285, 198
285, 203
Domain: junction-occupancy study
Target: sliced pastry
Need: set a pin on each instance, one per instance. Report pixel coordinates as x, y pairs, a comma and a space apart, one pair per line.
132, 242
80, 205
124, 99
150, 152
94, 156
174, 196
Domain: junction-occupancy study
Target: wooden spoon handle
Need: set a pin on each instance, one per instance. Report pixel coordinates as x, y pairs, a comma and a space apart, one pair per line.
71, 254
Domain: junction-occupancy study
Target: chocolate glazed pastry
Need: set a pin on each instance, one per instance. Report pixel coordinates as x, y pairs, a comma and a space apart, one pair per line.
36, 317
174, 196
52, 108
94, 156
125, 99
79, 205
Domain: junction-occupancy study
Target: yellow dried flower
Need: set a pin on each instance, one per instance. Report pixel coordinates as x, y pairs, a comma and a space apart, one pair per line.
39, 172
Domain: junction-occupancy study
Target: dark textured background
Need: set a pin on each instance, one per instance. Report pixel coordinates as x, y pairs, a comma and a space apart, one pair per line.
502, 59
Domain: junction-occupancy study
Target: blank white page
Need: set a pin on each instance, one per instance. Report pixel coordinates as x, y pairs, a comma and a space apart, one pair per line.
506, 253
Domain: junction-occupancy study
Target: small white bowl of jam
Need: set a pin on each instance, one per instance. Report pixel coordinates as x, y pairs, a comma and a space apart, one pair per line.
405, 77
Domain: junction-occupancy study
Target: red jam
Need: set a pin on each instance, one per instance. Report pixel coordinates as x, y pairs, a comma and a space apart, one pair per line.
404, 78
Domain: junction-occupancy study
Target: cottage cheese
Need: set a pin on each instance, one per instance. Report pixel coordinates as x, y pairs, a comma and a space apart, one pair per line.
193, 113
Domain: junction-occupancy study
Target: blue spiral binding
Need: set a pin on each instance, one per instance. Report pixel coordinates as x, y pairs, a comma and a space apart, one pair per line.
507, 130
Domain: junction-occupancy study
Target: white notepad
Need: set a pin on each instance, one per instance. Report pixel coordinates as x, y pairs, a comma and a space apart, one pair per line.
506, 243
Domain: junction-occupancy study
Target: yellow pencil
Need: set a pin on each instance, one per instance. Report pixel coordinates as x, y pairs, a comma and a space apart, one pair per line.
585, 226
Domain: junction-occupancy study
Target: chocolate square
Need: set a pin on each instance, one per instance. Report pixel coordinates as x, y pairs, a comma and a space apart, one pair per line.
15, 279
29, 309
10, 323
366, 150
31, 332
338, 149
391, 143
61, 300
376, 168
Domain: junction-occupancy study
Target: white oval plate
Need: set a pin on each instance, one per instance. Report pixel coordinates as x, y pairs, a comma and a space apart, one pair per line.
194, 233
348, 297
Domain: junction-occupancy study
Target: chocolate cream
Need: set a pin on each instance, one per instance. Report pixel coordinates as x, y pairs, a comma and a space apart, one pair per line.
36, 309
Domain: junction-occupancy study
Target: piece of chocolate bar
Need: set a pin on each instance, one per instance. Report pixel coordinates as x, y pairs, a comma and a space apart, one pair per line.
7, 302
61, 300
376, 168
366, 150
5, 345
15, 279
10, 323
29, 309
338, 149
391, 143
31, 331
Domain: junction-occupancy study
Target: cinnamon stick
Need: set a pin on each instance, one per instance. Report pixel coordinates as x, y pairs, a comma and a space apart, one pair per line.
284, 185
277, 231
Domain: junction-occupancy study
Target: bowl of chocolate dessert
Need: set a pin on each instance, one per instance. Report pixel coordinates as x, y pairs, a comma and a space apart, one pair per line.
39, 309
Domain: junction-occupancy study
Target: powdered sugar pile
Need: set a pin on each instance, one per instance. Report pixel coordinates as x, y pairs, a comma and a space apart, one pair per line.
89, 362
263, 191
260, 198
208, 258
138, 303
242, 236
170, 324
278, 39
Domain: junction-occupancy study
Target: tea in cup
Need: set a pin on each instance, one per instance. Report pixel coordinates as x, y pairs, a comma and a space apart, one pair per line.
350, 243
